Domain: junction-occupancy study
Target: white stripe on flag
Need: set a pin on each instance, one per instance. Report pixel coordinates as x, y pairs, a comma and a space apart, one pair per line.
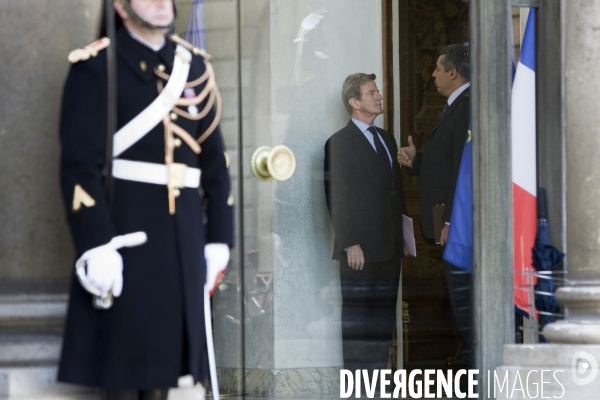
523, 129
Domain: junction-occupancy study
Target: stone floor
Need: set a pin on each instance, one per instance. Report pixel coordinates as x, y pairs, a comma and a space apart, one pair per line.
40, 384
302, 398
321, 397
191, 397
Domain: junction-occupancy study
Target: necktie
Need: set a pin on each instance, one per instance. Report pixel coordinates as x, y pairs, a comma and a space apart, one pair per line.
445, 108
382, 155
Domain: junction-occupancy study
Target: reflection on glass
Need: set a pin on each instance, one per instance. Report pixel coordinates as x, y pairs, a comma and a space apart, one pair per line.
280, 86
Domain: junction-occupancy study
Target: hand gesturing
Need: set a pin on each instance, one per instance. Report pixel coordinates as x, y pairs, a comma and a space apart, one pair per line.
406, 155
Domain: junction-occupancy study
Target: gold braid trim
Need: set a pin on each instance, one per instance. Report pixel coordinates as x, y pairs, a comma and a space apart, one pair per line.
202, 114
187, 138
169, 148
219, 112
211, 90
190, 84
195, 50
199, 98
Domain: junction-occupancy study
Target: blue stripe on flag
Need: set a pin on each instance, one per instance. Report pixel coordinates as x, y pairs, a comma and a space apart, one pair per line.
528, 47
459, 248
195, 32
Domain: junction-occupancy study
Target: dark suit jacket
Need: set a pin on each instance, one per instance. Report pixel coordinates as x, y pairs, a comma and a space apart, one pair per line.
363, 207
439, 162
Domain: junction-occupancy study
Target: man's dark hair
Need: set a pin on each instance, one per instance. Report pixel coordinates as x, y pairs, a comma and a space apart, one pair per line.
351, 88
457, 57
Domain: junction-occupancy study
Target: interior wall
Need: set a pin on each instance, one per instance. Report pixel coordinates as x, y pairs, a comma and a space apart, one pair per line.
36, 251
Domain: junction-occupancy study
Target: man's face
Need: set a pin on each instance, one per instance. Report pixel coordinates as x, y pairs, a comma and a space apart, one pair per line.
443, 78
371, 100
155, 12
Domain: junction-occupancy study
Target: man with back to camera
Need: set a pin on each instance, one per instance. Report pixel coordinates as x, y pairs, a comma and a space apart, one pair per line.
365, 198
438, 167
167, 145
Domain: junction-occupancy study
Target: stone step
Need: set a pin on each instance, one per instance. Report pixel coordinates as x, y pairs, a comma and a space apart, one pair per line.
18, 383
30, 342
39, 383
28, 366
29, 349
39, 313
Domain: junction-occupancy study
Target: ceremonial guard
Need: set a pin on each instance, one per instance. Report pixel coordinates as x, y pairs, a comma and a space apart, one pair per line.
150, 208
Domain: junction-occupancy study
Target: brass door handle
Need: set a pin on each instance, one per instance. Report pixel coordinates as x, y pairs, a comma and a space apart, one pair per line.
277, 163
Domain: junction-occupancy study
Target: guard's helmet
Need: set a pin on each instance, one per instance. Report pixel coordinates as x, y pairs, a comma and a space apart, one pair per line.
138, 20
134, 17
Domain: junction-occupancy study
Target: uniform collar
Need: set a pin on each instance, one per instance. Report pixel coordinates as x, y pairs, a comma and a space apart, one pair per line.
141, 59
142, 41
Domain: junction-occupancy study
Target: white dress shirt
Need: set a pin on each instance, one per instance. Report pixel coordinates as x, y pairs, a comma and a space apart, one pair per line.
364, 128
457, 93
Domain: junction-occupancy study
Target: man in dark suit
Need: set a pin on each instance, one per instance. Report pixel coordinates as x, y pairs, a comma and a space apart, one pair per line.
365, 198
438, 166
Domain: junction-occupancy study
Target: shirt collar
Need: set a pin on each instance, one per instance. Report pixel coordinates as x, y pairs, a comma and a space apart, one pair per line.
145, 43
361, 125
457, 93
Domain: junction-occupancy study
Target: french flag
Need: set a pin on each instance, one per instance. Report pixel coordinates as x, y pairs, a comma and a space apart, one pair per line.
524, 169
195, 32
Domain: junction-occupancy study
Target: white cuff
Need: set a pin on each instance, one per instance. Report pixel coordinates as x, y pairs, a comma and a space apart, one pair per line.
217, 257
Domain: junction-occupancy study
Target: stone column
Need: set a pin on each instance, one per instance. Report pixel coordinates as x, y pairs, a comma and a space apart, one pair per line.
492, 231
570, 363
581, 295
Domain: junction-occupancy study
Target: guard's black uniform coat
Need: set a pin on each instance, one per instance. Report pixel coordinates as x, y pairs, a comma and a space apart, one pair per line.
155, 330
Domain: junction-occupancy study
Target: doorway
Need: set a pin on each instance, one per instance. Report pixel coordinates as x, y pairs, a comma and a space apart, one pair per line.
424, 27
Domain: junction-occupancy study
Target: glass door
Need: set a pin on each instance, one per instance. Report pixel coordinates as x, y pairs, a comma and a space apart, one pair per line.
280, 66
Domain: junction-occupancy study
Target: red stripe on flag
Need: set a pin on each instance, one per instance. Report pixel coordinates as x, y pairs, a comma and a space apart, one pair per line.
525, 225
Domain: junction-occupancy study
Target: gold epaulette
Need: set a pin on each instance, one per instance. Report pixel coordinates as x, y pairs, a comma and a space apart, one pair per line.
88, 51
197, 51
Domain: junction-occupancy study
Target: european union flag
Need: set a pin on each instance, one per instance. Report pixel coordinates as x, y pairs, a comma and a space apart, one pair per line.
459, 248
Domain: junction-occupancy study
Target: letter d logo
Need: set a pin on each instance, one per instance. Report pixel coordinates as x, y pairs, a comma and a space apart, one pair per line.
584, 368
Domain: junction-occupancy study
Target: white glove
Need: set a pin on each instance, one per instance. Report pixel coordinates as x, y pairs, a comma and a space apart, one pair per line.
217, 257
105, 269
